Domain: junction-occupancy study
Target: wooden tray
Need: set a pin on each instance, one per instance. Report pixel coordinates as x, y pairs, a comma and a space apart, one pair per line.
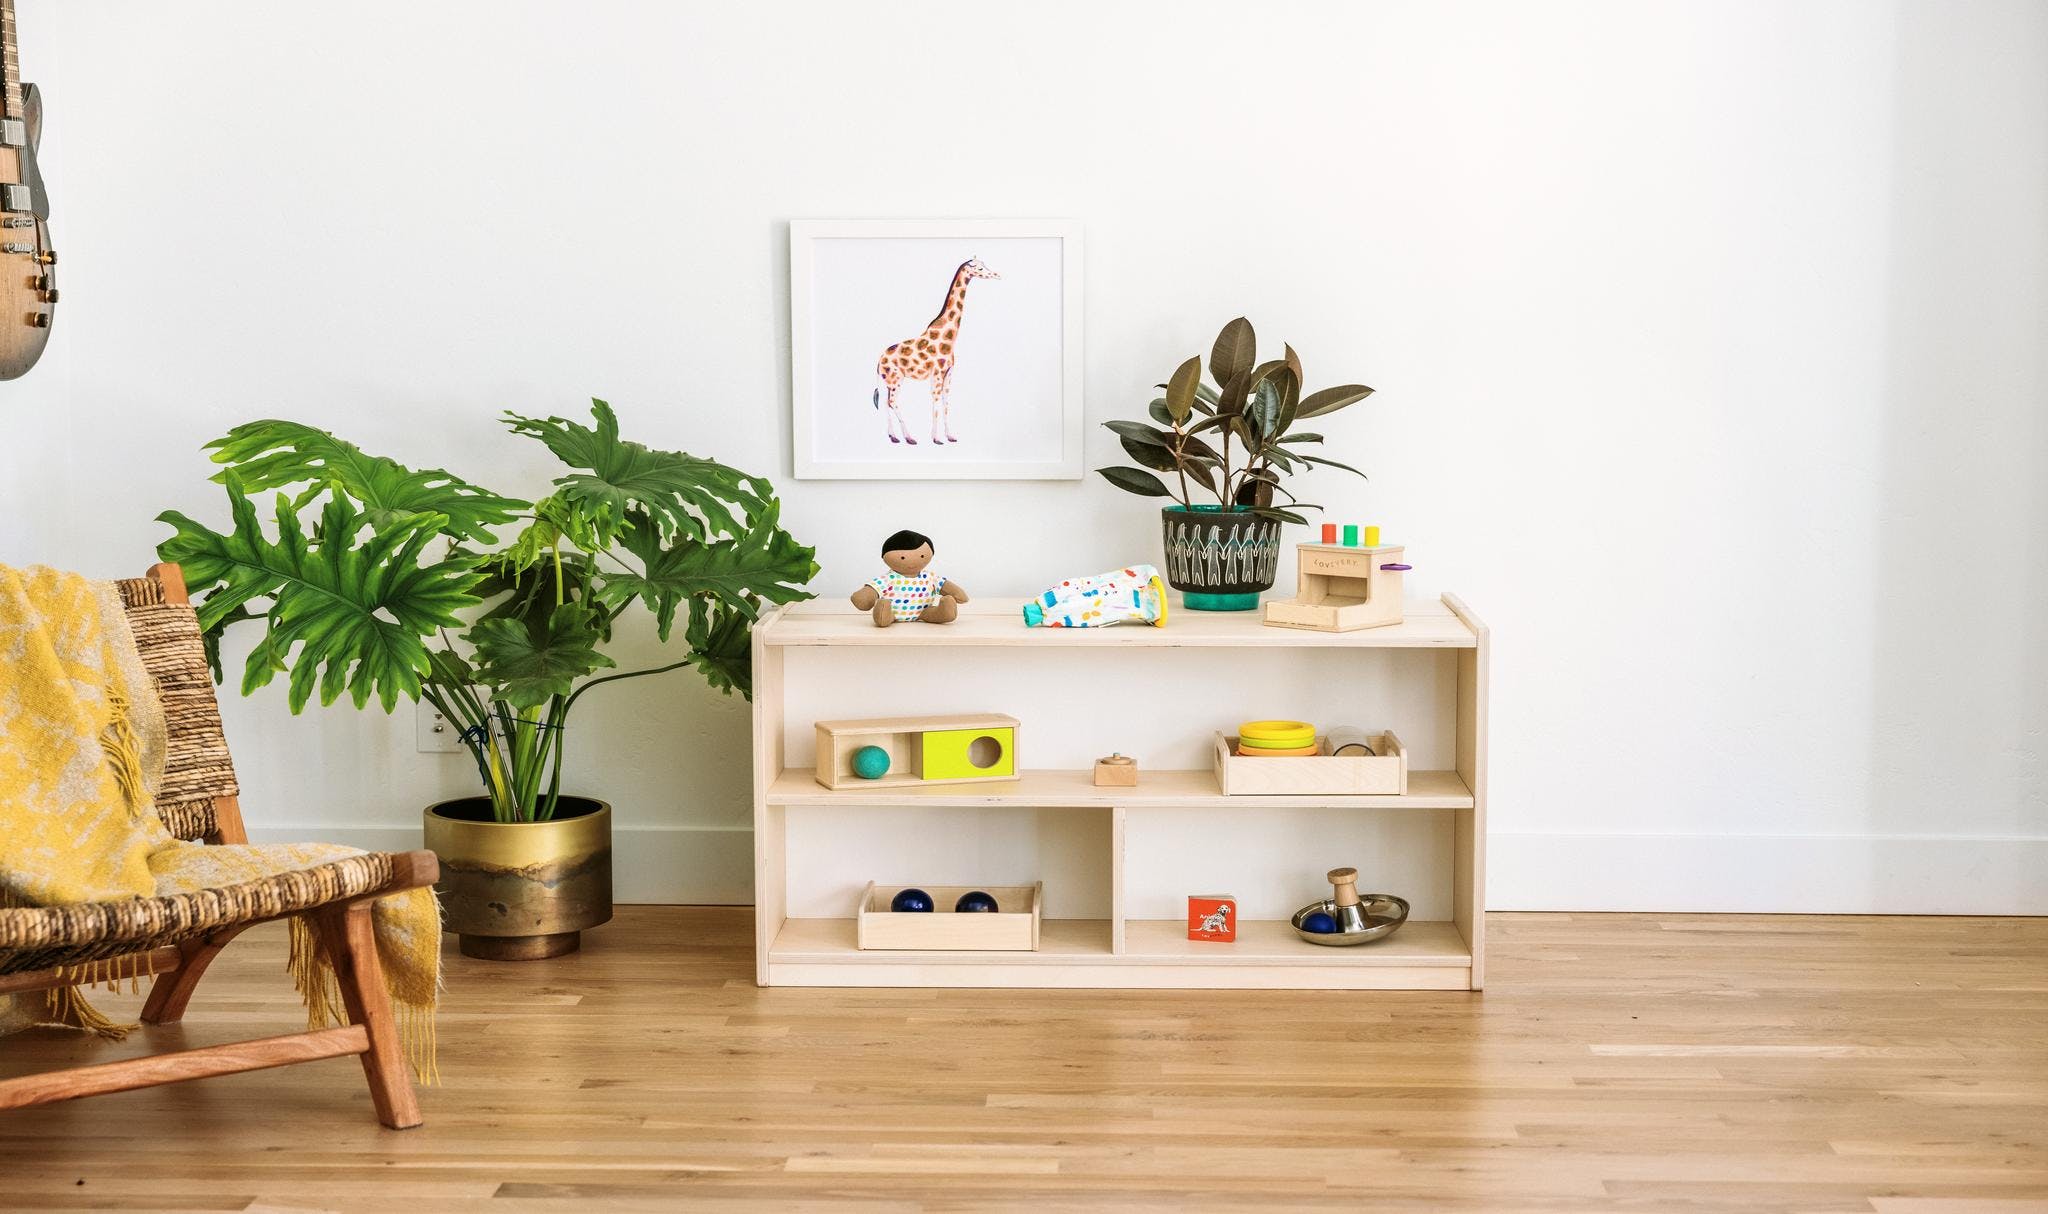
1012, 929
1383, 773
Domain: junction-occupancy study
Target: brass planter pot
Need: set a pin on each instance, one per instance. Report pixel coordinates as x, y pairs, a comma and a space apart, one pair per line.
520, 891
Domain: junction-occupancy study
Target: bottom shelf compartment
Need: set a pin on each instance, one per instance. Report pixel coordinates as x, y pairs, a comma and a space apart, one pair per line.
1423, 955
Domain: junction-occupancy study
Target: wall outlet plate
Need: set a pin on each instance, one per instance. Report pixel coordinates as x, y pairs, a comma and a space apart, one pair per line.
436, 733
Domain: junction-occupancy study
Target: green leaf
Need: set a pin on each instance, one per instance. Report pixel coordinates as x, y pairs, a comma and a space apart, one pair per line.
1230, 402
1233, 352
1180, 389
1150, 435
526, 665
1279, 515
1330, 463
1301, 438
1131, 480
685, 495
1157, 411
351, 616
265, 455
1329, 400
1265, 406
1293, 362
765, 564
1205, 398
1150, 455
721, 645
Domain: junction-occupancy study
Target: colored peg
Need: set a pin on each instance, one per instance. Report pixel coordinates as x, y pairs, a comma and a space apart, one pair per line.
1372, 537
1351, 535
1329, 533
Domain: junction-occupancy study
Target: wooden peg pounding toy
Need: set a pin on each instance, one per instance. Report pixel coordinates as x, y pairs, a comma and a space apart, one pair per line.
910, 590
1348, 912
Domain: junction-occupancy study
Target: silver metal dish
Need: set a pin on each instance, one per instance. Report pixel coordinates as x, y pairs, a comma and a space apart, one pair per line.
1378, 916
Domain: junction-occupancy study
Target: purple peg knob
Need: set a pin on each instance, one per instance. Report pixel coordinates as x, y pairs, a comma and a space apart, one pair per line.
1397, 568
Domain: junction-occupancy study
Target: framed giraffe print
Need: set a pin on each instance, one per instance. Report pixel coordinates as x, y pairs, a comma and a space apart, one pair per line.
935, 349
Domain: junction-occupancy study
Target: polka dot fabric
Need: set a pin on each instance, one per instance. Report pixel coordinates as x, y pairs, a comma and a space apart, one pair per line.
909, 593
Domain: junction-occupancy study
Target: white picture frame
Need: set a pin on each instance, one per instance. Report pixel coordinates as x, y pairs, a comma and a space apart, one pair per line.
1011, 365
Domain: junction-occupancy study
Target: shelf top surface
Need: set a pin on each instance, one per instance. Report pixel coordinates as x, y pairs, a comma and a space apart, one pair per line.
1053, 789
1427, 624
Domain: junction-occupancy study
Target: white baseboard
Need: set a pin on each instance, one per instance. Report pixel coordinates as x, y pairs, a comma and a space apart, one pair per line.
650, 865
1769, 874
1750, 874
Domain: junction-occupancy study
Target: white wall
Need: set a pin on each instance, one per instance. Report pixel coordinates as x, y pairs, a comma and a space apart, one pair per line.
1709, 341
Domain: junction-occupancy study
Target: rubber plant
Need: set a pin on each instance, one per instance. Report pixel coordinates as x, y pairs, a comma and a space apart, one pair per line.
416, 584
1236, 440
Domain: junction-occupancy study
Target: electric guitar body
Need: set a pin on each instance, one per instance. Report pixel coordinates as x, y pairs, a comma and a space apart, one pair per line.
28, 278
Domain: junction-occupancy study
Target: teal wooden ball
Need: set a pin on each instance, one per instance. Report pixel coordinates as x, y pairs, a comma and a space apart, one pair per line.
871, 762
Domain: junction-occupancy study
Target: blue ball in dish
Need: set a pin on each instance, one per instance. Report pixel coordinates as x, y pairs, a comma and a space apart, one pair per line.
1320, 923
975, 901
911, 901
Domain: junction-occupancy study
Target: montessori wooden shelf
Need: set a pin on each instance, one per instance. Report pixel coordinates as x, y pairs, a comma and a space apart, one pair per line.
1057, 789
1123, 950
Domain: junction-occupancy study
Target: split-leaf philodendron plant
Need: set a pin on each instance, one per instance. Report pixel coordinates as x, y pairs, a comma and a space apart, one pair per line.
1254, 406
380, 595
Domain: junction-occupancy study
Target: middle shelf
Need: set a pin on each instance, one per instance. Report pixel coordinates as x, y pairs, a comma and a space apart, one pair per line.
1076, 787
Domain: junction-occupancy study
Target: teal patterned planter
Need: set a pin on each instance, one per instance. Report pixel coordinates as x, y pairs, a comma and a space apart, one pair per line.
1220, 560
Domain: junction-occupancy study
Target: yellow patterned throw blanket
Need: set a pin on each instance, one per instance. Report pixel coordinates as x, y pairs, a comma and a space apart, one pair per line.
82, 743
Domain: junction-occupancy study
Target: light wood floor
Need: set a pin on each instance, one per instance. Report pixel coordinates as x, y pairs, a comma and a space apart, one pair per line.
1625, 1062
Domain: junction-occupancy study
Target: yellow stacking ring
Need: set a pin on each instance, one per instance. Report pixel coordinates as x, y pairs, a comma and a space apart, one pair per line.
1247, 750
1276, 735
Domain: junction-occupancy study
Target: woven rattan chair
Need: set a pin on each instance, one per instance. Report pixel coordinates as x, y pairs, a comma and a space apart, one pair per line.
174, 938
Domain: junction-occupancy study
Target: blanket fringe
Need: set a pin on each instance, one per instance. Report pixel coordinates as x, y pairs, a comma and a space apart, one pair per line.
313, 976
123, 748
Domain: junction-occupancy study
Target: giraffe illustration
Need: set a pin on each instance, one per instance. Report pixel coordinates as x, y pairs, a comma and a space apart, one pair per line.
929, 355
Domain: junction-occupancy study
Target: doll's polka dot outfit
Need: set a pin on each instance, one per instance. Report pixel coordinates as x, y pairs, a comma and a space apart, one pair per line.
909, 593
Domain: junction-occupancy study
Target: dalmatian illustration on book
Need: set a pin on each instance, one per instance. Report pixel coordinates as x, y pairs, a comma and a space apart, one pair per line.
1212, 917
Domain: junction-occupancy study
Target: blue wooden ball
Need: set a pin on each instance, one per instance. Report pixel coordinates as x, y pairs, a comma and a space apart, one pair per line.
871, 762
1319, 923
975, 901
911, 900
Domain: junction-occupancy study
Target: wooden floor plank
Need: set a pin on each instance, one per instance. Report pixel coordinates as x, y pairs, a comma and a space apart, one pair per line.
1617, 1062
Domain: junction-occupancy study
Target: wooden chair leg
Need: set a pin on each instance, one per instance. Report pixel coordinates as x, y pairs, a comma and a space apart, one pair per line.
345, 932
173, 989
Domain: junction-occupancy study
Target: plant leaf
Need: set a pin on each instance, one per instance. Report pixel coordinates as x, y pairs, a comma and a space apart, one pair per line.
720, 641
684, 495
1132, 480
1157, 411
1180, 389
1233, 352
1330, 463
527, 663
1279, 515
1301, 438
353, 617
1230, 402
764, 565
1329, 400
270, 454
1150, 455
1293, 362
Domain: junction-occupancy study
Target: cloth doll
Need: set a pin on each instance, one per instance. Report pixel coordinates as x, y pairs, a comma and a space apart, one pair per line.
1132, 595
910, 590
